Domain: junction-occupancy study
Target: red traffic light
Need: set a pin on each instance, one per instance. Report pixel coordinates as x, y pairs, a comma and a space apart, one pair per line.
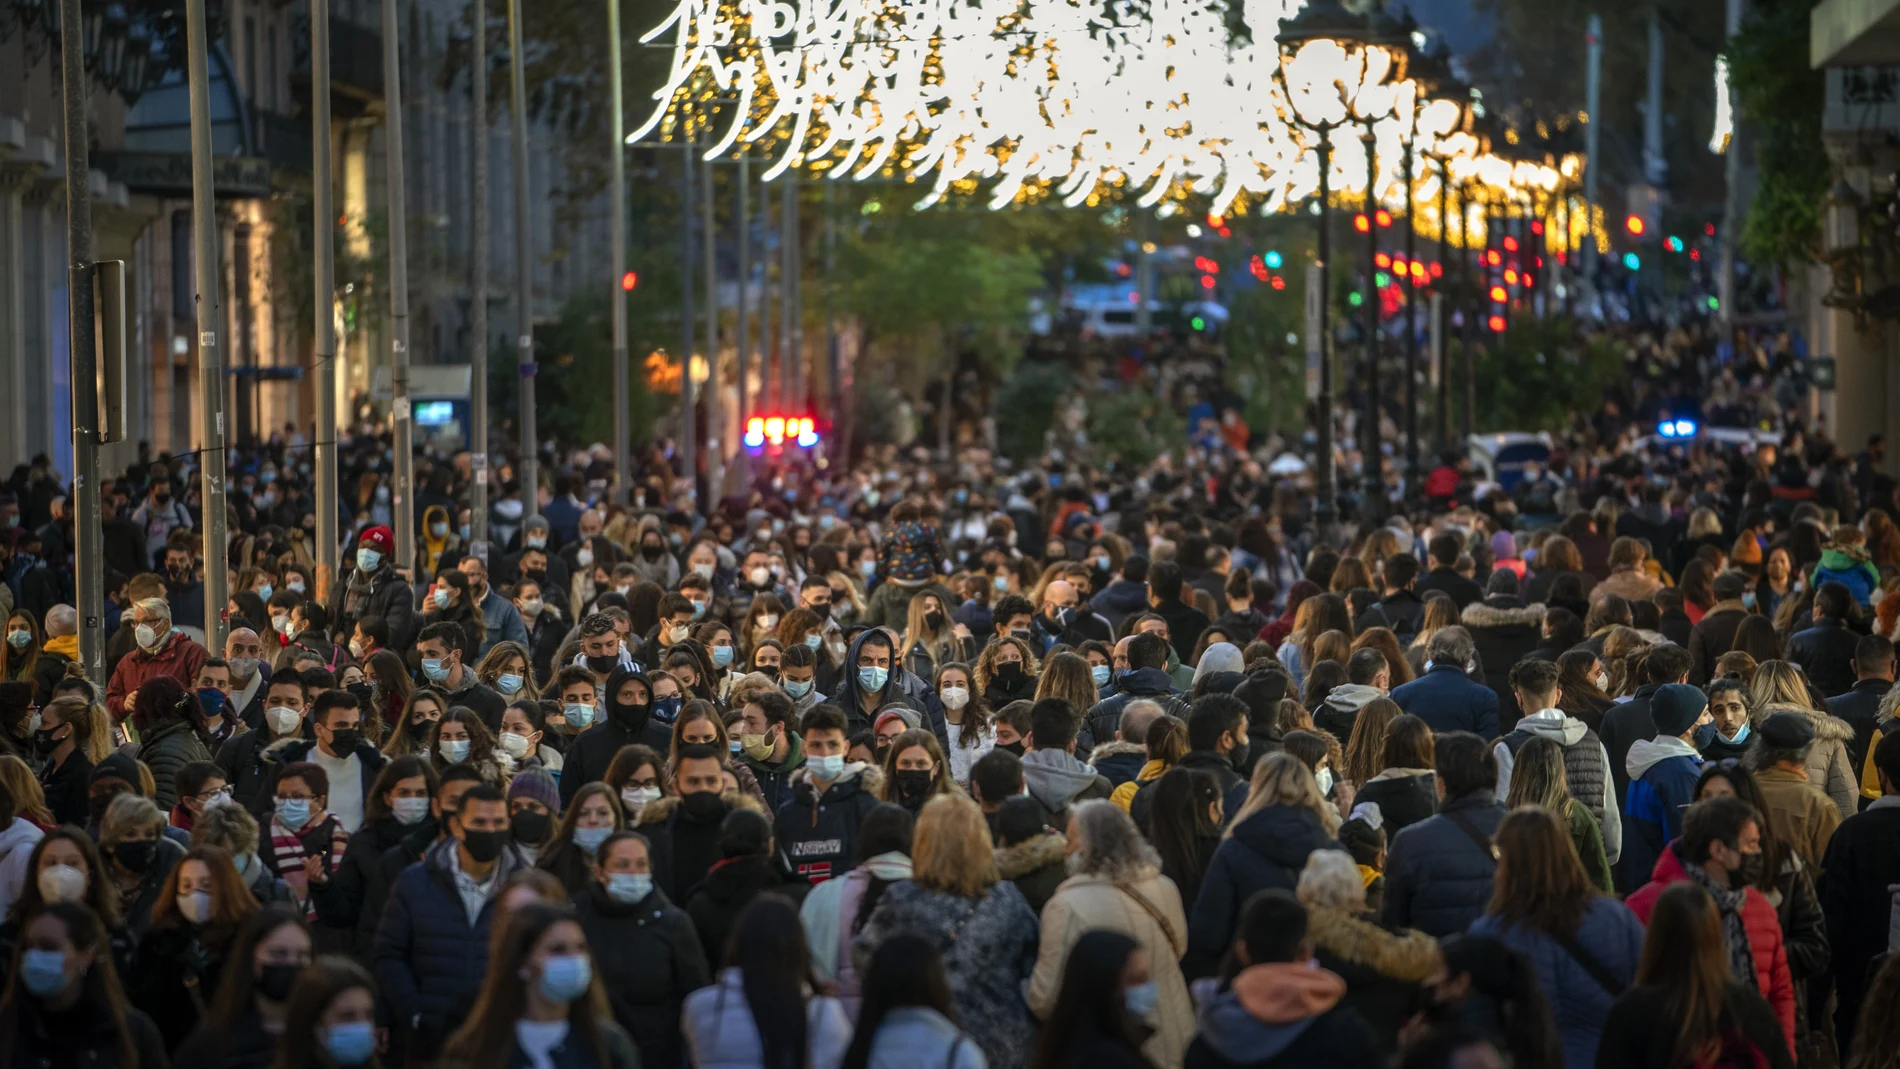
1384, 217
628, 281
1496, 324
1361, 223
1635, 225
1510, 243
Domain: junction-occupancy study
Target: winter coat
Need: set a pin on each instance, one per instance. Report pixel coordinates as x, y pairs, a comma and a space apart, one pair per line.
1437, 879
918, 1037
775, 780
1267, 849
348, 903
1121, 599
42, 1044
1402, 612
179, 966
1385, 971
829, 914
1405, 796
1037, 866
730, 886
1283, 1016
1640, 1034
570, 1054
1124, 794
1463, 592
1154, 920
1860, 708
1624, 725
1612, 935
900, 687
818, 834
989, 949
1340, 711
1713, 636
720, 1032
1119, 762
429, 960
1828, 764
17, 843
1104, 717
245, 1046
683, 848
66, 788
1058, 782
1849, 567
1447, 700
1632, 584
1772, 976
1233, 788
1798, 812
390, 599
1586, 768
166, 749
1862, 862
590, 752
179, 657
649, 960
1504, 631
1663, 774
1826, 653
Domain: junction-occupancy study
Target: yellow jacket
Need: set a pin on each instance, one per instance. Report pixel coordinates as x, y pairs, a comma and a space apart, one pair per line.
1124, 795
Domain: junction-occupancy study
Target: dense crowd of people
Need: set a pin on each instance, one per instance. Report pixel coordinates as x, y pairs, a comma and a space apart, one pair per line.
926, 762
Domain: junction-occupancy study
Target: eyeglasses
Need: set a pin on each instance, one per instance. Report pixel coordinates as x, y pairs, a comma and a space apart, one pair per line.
213, 792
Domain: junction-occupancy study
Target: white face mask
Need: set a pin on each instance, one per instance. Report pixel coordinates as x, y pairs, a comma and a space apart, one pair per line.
282, 719
514, 745
768, 621
955, 697
1325, 778
635, 797
62, 883
1603, 681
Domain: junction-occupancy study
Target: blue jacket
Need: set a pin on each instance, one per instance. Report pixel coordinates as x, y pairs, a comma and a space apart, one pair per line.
1612, 935
1121, 599
1436, 878
501, 622
1447, 700
429, 960
1266, 850
1663, 774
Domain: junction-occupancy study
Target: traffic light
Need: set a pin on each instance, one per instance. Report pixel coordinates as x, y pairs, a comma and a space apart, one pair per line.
1272, 259
628, 281
1361, 223
1383, 217
1672, 243
1635, 225
1632, 261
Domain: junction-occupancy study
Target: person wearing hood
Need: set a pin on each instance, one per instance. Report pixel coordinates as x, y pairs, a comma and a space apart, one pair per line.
628, 698
1798, 813
1368, 678
1268, 841
872, 679
657, 959
834, 911
683, 828
1277, 1008
1845, 561
828, 798
1122, 761
1662, 773
1586, 759
1504, 631
748, 867
1144, 677
1056, 779
368, 586
1219, 657
1217, 738
1385, 971
438, 545
1029, 853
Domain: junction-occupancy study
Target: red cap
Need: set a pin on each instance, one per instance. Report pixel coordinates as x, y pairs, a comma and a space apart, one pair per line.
382, 538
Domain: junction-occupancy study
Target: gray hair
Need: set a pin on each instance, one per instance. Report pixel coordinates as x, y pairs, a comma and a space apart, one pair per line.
129, 812
158, 607
1450, 645
62, 620
1137, 717
1111, 847
228, 826
1331, 880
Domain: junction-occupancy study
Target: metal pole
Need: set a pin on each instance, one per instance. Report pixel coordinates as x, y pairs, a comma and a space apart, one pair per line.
89, 553
833, 368
1655, 164
1443, 438
1470, 313
1732, 181
788, 357
742, 221
1411, 333
524, 272
478, 276
689, 466
715, 432
622, 385
1592, 134
204, 224
1144, 278
403, 500
1324, 494
795, 298
768, 341
323, 298
1371, 459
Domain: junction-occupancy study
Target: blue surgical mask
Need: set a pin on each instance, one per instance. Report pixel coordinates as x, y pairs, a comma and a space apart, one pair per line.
293, 813
43, 971
699, 608
871, 677
1741, 735
734, 745
867, 568
454, 751
409, 811
627, 888
1001, 583
264, 593
813, 640
826, 768
798, 689
350, 1043
441, 599
1748, 599
566, 977
508, 683
722, 656
368, 559
436, 668
578, 716
1100, 674
589, 839
1141, 1000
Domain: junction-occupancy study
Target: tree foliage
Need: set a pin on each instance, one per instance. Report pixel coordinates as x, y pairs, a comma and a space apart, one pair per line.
1026, 406
1782, 100
1539, 375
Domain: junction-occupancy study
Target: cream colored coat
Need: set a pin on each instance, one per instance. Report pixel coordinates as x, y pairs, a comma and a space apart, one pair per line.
1085, 903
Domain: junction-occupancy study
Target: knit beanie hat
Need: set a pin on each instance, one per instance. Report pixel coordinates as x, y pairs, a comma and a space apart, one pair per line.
535, 783
1675, 707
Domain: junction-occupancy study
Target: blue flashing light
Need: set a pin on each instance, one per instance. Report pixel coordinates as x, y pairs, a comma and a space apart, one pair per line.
1632, 261
1676, 428
1273, 260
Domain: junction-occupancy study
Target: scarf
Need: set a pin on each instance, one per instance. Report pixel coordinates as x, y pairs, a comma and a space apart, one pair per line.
356, 594
1741, 958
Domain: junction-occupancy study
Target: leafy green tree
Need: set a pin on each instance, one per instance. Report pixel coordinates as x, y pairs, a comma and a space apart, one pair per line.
1026, 406
1538, 375
1782, 100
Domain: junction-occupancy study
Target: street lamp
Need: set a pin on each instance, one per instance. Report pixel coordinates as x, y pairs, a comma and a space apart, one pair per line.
1326, 66
1378, 103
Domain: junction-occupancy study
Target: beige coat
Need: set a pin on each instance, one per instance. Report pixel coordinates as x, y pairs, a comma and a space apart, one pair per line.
1799, 813
1085, 903
1828, 764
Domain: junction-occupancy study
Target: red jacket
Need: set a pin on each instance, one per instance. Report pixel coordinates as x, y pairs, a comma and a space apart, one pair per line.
179, 658
1758, 918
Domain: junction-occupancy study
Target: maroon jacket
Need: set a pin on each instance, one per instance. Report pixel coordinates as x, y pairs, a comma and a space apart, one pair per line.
179, 658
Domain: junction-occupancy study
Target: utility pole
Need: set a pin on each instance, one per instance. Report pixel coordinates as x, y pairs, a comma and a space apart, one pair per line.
621, 385
1655, 164
1411, 283
323, 298
1371, 456
742, 220
834, 371
1320, 337
524, 273
715, 433
403, 500
89, 553
768, 395
1592, 138
204, 225
1439, 372
689, 431
478, 278
790, 290
1732, 175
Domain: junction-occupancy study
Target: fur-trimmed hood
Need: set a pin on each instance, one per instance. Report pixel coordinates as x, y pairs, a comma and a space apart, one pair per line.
857, 776
658, 810
1410, 957
1480, 614
1030, 854
1826, 728
1112, 749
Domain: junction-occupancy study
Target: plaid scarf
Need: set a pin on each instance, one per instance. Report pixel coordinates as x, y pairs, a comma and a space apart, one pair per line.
1729, 902
287, 849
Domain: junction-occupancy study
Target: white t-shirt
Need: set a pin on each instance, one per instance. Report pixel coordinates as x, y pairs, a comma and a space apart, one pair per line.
346, 787
538, 1040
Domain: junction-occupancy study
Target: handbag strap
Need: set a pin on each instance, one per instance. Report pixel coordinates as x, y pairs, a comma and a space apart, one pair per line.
1484, 841
1591, 964
1167, 928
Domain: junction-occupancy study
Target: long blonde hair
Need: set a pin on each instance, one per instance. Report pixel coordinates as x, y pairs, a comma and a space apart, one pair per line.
916, 633
1778, 683
1283, 779
1067, 676
951, 850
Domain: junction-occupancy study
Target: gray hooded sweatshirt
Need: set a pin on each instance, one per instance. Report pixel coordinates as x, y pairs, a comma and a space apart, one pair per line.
1564, 730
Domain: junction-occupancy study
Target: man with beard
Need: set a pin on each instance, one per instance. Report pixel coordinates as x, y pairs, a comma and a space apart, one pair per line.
627, 700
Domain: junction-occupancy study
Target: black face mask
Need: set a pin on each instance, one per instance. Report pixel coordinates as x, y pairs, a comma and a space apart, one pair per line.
536, 574
933, 621
44, 737
530, 827
652, 552
1749, 873
484, 846
823, 611
603, 664
703, 807
365, 694
344, 740
769, 671
275, 981
913, 782
135, 856
629, 717
1010, 673
419, 729
1011, 747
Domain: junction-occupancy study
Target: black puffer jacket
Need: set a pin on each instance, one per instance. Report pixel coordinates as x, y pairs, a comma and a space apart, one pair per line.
729, 887
1104, 717
1267, 849
1504, 631
390, 599
1437, 878
684, 848
654, 963
167, 748
593, 750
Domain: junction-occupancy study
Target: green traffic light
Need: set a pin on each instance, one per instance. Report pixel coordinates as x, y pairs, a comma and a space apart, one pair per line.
1355, 299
